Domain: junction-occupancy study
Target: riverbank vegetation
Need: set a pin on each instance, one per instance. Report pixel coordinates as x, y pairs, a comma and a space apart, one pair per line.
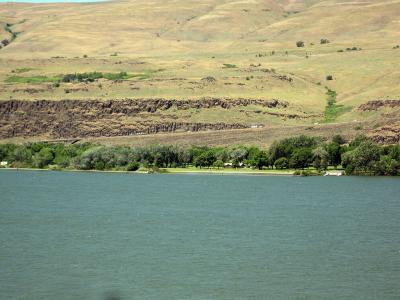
305, 155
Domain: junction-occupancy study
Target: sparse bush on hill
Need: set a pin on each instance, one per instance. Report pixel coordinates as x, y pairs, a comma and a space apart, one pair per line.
353, 49
300, 44
229, 66
324, 41
396, 47
209, 79
21, 70
350, 49
5, 42
329, 77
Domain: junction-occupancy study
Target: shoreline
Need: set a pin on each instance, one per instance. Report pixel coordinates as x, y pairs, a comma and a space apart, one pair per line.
166, 171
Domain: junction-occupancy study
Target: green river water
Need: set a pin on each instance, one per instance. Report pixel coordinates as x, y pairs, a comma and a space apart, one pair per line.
67, 235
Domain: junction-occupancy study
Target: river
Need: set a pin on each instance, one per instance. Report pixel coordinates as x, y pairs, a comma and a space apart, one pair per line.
66, 235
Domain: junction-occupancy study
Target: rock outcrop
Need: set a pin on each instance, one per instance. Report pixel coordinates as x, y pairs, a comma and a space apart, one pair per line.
377, 104
387, 134
95, 118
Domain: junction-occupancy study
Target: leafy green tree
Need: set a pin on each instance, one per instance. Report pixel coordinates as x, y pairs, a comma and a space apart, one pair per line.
257, 158
100, 166
301, 158
394, 152
206, 159
22, 154
43, 158
221, 154
195, 152
183, 157
285, 147
334, 154
218, 164
36, 147
238, 156
6, 151
282, 163
358, 140
320, 158
386, 166
362, 159
88, 159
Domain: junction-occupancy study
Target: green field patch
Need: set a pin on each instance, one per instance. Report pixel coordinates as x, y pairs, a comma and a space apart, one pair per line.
333, 110
77, 77
32, 79
145, 74
141, 76
229, 66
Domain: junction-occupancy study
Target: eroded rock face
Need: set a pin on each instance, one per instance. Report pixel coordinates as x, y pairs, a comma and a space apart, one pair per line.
387, 134
377, 104
79, 118
133, 106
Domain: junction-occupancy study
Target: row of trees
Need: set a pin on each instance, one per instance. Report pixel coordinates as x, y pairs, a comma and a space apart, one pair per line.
360, 156
93, 76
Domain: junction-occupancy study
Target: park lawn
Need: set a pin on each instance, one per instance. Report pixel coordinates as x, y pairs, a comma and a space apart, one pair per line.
228, 171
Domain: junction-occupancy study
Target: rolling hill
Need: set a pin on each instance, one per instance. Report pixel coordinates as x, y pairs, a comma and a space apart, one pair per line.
212, 72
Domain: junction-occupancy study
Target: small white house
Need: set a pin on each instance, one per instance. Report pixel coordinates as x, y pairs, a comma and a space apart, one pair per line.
3, 163
334, 173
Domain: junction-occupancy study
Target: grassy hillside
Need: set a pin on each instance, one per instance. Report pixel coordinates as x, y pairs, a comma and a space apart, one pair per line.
214, 48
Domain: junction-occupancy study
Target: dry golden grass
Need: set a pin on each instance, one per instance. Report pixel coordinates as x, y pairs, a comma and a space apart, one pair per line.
180, 42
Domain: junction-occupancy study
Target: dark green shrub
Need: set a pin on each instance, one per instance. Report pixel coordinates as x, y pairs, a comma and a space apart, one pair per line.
43, 158
5, 42
301, 158
133, 166
218, 164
